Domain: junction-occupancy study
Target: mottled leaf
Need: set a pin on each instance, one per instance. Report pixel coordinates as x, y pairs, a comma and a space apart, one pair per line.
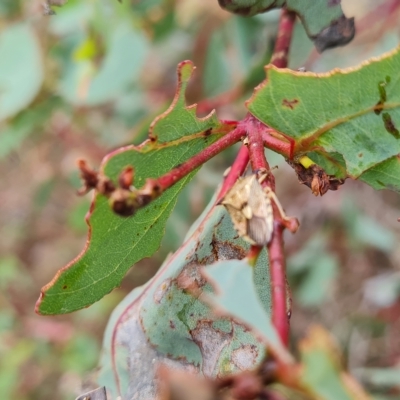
347, 121
172, 325
323, 20
235, 295
115, 243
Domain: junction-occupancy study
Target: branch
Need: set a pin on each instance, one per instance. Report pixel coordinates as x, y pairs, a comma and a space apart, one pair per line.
237, 169
283, 39
125, 200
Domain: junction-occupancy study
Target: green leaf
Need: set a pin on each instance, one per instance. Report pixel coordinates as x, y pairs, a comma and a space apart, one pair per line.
322, 375
345, 120
173, 326
115, 243
21, 69
323, 19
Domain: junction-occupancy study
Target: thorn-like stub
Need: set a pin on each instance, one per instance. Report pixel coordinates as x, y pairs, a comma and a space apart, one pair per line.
93, 180
291, 224
125, 179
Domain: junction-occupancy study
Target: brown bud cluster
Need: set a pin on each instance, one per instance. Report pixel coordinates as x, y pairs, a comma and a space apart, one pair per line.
124, 199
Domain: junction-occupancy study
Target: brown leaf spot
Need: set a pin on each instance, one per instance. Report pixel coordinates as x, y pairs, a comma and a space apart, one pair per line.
211, 342
226, 250
245, 357
161, 291
190, 278
360, 155
390, 126
207, 132
290, 103
65, 287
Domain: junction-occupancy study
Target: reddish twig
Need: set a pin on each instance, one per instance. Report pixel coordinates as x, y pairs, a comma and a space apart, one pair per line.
275, 246
170, 178
283, 39
256, 149
277, 268
237, 169
275, 141
258, 134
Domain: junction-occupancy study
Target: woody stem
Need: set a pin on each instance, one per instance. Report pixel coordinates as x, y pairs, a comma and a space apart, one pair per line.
280, 318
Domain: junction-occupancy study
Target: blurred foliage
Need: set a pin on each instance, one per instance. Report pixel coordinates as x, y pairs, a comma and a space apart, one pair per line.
91, 78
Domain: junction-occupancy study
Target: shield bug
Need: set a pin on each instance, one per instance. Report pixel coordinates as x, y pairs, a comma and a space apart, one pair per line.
250, 209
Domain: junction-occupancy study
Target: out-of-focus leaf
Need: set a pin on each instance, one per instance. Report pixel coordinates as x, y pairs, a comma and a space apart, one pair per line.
72, 19
116, 243
85, 84
348, 119
80, 355
9, 8
235, 296
8, 271
366, 231
21, 69
216, 71
25, 124
323, 20
173, 326
315, 287
322, 374
388, 378
312, 271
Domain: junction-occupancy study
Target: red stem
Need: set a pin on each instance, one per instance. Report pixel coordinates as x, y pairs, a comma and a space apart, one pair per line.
170, 178
282, 44
277, 268
276, 256
284, 146
237, 169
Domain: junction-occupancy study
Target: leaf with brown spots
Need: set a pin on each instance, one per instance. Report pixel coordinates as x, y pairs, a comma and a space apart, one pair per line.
347, 121
172, 324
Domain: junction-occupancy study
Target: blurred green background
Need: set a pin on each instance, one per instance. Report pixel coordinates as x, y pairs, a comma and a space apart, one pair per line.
91, 78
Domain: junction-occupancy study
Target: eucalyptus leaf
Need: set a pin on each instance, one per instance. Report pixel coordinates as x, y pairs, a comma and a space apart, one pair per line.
172, 324
345, 120
115, 243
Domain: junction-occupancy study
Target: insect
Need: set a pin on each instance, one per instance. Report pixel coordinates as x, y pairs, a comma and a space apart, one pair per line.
250, 209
